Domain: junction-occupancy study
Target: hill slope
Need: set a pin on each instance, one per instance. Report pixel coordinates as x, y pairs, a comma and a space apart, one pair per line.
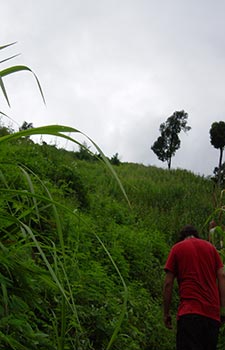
80, 267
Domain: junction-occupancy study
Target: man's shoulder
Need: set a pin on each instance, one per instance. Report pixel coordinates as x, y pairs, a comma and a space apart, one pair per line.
203, 242
189, 242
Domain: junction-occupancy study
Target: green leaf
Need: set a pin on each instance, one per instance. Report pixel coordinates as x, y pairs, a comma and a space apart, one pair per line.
12, 342
4, 90
9, 58
4, 46
15, 69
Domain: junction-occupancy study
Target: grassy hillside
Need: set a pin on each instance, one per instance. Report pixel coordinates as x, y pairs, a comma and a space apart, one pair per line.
80, 267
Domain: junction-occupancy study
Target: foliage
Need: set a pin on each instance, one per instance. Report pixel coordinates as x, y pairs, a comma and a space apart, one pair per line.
26, 126
219, 175
4, 130
115, 159
168, 143
217, 138
137, 239
85, 153
23, 316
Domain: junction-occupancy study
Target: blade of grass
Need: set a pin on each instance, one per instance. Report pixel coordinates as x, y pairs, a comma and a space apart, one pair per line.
4, 46
2, 86
15, 69
55, 213
28, 178
54, 277
9, 58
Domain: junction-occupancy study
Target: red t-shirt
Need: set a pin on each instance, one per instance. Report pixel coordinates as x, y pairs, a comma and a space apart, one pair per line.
195, 262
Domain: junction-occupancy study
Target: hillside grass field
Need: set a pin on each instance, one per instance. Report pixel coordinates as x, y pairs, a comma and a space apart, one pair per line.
81, 266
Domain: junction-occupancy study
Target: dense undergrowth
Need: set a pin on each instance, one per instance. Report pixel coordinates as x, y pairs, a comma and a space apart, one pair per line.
80, 268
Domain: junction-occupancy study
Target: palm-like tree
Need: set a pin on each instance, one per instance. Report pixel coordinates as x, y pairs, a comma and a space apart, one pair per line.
217, 138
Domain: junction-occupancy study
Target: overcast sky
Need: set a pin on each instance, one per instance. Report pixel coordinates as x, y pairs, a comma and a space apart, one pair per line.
117, 69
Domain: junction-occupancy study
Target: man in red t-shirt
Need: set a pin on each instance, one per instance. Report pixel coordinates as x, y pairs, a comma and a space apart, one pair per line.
198, 268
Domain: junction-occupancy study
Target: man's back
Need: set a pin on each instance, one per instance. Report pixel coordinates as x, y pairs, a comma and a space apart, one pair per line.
195, 263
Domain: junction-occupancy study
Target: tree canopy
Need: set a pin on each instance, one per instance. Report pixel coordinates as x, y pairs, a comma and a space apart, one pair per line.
168, 143
26, 126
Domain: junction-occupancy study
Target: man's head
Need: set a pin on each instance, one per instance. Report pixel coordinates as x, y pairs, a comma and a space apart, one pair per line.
188, 231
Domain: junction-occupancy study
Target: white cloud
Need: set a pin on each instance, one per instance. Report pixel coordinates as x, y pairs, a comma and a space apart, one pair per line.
117, 69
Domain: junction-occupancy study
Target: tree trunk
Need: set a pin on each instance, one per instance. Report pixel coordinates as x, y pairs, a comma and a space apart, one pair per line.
220, 165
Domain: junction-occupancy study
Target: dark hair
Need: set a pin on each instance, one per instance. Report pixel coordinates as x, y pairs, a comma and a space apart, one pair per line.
187, 231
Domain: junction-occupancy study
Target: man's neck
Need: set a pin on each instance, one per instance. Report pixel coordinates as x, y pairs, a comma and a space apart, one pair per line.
191, 236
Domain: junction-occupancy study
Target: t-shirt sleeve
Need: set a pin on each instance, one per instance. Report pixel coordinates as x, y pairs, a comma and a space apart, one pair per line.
171, 262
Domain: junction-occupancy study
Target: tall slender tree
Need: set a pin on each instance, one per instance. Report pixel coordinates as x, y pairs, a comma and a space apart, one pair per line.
217, 139
168, 143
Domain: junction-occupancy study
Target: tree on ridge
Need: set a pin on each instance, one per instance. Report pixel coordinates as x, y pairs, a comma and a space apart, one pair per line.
168, 143
217, 139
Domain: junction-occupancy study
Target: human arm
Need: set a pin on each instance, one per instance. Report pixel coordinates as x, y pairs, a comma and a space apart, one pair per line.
221, 287
167, 297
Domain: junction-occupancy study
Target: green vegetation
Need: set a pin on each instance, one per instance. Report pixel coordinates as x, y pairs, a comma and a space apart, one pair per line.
83, 246
80, 268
